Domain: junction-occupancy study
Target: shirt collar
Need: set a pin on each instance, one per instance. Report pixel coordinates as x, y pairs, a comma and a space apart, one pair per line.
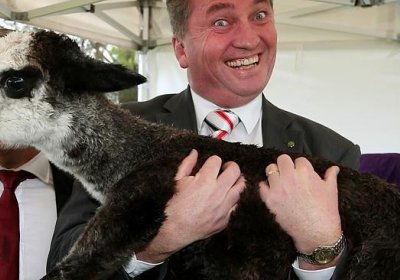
249, 114
38, 166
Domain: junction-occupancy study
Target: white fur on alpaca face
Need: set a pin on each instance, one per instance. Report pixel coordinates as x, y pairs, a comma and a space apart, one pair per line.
26, 120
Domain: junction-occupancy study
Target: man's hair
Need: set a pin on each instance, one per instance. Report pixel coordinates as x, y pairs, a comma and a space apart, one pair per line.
179, 12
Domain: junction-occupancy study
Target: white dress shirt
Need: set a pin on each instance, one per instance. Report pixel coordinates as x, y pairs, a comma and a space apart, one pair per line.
37, 215
248, 131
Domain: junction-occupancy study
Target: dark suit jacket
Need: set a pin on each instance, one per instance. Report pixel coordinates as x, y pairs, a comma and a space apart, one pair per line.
63, 187
279, 129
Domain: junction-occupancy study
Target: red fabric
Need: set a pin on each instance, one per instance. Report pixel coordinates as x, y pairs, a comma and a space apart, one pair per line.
9, 224
227, 119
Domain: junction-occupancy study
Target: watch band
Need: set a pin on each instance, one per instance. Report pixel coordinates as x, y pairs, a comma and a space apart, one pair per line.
325, 254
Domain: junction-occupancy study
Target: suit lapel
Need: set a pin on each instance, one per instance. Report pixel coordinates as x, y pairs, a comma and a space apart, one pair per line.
276, 129
62, 186
181, 112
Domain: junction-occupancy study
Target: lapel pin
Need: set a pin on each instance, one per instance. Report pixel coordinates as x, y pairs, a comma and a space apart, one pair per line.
291, 144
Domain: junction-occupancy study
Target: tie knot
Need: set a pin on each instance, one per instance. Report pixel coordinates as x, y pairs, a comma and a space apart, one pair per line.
221, 122
11, 179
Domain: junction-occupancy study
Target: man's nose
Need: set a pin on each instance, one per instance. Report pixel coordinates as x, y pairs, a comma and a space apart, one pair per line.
246, 36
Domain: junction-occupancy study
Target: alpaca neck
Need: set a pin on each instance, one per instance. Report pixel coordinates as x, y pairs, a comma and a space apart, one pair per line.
104, 146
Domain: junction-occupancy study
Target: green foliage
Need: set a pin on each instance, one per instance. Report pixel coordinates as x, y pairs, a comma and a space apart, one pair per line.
113, 54
126, 57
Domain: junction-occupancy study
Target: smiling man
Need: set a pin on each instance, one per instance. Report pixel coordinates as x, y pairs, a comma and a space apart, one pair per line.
229, 48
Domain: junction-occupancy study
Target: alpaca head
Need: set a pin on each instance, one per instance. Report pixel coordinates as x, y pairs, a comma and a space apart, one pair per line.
41, 76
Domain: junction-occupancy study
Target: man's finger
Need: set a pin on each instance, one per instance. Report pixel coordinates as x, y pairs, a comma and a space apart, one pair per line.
230, 174
331, 175
187, 165
236, 190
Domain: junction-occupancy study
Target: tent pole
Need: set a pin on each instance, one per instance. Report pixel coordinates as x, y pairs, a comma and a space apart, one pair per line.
397, 22
143, 90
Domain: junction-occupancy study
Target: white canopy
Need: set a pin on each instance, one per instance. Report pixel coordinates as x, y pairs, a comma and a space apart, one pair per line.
127, 23
144, 24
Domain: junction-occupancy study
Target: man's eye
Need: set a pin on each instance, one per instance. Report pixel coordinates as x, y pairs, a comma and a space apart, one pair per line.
221, 23
261, 15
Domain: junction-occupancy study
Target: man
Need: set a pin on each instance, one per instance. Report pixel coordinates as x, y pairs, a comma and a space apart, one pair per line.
228, 48
40, 199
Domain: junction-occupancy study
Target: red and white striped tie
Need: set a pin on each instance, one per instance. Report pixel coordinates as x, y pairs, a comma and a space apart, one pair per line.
221, 122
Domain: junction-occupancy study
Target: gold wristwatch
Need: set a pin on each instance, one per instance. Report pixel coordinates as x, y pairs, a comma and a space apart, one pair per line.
325, 254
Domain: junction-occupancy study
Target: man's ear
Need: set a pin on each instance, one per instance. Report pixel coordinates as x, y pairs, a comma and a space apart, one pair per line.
180, 52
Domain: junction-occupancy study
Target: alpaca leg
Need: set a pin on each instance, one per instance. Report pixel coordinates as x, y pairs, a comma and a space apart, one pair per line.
124, 224
131, 215
107, 243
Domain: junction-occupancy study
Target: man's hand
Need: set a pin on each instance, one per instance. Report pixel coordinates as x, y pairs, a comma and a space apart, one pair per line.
200, 208
305, 205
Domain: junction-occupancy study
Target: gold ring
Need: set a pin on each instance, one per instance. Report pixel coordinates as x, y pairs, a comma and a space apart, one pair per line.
272, 172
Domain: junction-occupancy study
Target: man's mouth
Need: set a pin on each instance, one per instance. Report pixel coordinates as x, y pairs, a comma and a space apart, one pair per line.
243, 63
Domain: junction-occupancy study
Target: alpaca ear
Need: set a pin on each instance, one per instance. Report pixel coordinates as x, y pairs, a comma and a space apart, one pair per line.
71, 69
87, 74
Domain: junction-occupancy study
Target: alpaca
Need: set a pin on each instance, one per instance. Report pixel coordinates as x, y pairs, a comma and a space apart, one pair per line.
52, 98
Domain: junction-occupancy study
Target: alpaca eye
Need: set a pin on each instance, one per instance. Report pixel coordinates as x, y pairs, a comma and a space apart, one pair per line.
16, 87
20, 83
15, 83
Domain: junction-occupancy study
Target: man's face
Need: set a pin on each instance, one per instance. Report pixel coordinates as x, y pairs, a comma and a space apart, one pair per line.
229, 49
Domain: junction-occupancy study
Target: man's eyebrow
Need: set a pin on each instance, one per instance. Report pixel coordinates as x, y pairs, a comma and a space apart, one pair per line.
223, 6
262, 1
219, 6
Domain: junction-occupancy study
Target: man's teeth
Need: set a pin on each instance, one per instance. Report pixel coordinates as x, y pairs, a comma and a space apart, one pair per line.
243, 62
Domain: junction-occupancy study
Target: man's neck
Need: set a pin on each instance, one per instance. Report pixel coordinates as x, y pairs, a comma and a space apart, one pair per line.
13, 158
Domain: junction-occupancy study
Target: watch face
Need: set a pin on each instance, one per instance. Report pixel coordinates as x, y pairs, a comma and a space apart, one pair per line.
324, 255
